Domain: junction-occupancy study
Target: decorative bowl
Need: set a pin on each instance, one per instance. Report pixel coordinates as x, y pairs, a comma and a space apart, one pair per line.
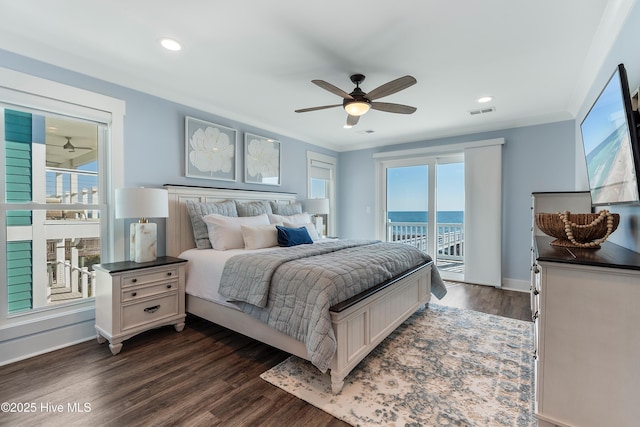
586, 230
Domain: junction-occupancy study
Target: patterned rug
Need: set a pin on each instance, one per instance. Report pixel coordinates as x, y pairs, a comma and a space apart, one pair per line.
443, 367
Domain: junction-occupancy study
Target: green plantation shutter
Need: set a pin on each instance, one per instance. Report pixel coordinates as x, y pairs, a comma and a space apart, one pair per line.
19, 275
18, 138
18, 161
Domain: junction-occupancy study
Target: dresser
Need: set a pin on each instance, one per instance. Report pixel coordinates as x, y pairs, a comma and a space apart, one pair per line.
587, 321
134, 297
551, 202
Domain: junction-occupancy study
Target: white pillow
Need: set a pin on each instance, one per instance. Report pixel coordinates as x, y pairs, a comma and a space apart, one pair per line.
259, 236
301, 219
313, 233
225, 232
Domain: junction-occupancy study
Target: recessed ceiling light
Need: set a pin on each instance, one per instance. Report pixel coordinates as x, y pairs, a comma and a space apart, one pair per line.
484, 99
170, 44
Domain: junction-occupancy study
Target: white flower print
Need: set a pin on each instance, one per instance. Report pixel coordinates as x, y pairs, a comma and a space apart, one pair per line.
263, 159
212, 150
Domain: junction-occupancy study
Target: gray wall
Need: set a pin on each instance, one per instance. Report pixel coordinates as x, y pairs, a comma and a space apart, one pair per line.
154, 136
535, 158
625, 51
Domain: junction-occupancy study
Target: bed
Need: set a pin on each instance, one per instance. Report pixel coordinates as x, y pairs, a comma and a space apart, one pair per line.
359, 323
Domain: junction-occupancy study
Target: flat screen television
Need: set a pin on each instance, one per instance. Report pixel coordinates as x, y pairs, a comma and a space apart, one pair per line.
610, 140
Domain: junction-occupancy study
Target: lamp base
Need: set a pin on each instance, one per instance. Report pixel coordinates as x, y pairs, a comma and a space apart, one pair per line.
142, 243
319, 223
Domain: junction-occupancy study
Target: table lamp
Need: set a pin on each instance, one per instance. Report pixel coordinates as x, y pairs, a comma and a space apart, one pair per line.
142, 203
317, 207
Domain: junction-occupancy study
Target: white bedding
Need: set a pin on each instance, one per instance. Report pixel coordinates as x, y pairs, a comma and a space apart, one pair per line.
204, 270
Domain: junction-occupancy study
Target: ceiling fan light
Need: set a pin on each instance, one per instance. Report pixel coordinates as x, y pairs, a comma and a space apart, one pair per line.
357, 108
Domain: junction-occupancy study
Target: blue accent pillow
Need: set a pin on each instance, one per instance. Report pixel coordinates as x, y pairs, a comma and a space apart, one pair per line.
293, 236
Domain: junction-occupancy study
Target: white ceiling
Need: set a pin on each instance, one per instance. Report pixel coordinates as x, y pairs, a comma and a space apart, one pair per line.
253, 61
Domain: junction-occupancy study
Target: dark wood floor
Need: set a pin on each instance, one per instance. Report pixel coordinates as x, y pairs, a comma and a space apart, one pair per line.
204, 376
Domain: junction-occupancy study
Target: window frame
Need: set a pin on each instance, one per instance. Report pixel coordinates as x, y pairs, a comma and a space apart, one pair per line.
27, 92
330, 163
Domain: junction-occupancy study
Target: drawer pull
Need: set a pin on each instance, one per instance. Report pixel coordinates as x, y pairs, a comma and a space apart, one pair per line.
133, 294
134, 280
170, 273
169, 286
152, 309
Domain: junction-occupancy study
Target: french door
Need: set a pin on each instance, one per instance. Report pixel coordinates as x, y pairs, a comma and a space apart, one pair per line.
423, 206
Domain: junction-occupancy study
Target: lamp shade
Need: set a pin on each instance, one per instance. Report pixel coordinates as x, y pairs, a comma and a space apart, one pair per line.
317, 206
142, 203
357, 108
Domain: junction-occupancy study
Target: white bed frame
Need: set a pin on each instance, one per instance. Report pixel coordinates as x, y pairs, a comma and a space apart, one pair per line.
359, 324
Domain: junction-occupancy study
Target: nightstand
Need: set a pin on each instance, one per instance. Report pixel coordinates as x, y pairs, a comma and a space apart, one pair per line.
134, 297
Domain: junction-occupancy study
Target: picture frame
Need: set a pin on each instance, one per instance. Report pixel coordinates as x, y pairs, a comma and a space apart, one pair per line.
210, 150
262, 160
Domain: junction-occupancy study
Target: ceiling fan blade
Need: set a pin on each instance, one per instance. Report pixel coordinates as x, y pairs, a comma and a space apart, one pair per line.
304, 110
393, 108
391, 87
352, 120
331, 88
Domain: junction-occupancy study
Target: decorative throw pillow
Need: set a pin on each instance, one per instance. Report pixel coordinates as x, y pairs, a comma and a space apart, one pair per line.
311, 229
198, 210
303, 218
286, 208
258, 207
259, 236
293, 236
226, 232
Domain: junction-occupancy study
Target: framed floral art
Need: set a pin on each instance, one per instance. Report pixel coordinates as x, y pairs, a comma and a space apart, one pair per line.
261, 160
210, 150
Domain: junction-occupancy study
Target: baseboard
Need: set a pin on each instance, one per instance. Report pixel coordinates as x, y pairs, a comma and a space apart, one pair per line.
29, 339
516, 285
42, 350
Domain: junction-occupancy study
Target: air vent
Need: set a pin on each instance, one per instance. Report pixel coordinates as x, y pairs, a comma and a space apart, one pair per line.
482, 111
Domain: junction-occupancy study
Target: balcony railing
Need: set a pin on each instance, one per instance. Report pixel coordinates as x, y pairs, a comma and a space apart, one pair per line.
78, 243
450, 243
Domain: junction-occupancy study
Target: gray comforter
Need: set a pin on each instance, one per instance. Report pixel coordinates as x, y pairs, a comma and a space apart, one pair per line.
292, 289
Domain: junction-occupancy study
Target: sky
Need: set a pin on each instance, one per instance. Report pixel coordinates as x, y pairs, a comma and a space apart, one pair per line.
407, 188
606, 115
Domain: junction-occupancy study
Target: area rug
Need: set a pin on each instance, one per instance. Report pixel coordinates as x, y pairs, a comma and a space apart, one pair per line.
443, 367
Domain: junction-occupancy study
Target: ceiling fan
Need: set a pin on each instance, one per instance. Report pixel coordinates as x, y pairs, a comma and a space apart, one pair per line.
358, 102
72, 148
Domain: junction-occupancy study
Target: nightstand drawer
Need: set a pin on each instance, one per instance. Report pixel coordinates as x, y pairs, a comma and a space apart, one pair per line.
144, 312
139, 292
144, 278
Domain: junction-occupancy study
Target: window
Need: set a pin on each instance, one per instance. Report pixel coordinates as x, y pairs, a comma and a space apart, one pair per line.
54, 188
51, 248
481, 234
420, 192
321, 173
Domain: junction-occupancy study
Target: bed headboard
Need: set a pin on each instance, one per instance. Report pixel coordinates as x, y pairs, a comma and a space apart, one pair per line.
179, 232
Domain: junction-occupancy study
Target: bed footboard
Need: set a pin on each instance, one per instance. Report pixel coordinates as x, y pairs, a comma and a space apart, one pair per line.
361, 326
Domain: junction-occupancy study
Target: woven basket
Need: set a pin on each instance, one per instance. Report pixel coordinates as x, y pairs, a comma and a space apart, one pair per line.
590, 236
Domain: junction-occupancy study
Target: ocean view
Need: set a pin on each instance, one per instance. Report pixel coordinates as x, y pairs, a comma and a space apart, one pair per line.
446, 217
